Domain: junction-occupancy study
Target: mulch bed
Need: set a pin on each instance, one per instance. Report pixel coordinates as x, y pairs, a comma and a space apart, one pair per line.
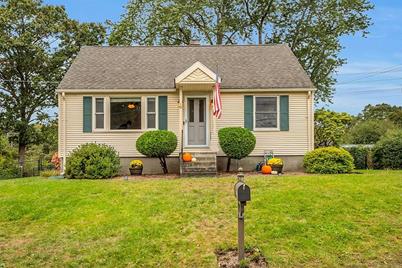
229, 258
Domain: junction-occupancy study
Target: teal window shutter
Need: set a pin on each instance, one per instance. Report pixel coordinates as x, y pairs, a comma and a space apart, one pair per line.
87, 104
163, 112
248, 112
284, 113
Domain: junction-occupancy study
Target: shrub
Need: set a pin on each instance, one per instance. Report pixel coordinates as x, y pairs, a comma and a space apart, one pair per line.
361, 156
368, 132
387, 152
236, 143
9, 167
157, 143
92, 161
328, 160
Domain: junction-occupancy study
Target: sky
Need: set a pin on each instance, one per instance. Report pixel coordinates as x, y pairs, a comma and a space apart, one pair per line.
372, 74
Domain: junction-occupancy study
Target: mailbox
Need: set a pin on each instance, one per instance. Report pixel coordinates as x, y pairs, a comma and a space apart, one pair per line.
242, 192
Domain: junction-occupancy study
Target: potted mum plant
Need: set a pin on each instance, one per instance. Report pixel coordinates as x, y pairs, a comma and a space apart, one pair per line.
276, 164
136, 167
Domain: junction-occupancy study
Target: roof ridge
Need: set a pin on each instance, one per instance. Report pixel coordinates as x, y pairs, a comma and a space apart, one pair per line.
189, 46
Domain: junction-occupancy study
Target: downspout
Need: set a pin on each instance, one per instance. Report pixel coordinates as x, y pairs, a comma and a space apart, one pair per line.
63, 96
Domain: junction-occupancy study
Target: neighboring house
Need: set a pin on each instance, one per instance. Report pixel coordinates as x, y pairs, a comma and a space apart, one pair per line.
112, 95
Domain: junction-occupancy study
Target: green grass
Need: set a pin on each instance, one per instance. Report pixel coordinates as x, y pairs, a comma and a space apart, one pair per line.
352, 220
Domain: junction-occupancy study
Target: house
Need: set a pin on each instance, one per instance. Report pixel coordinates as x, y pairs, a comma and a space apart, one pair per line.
112, 95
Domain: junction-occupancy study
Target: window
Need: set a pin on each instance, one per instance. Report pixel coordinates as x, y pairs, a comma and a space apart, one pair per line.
266, 112
99, 113
125, 113
151, 112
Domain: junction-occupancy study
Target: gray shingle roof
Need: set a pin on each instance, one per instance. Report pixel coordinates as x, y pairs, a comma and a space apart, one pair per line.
240, 66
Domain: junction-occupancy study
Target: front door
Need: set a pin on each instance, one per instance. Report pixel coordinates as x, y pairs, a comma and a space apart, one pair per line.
196, 121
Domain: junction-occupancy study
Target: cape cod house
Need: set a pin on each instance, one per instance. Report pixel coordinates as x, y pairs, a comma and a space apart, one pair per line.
112, 95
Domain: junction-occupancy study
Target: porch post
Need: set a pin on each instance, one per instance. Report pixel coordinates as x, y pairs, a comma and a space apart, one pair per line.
181, 118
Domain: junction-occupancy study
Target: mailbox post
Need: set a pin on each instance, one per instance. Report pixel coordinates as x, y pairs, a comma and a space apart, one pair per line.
242, 194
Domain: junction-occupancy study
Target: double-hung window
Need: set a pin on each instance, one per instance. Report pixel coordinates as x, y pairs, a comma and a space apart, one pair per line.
99, 113
125, 113
151, 112
266, 113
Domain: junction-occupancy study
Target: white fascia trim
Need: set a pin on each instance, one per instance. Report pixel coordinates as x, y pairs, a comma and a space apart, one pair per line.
241, 90
112, 91
194, 67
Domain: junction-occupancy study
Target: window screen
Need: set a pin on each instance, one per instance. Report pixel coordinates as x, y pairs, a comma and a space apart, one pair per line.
266, 112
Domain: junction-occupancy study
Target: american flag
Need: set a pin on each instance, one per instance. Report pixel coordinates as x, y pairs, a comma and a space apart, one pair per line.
217, 98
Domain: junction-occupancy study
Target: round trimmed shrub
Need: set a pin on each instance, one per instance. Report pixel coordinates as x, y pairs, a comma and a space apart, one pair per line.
92, 161
387, 153
236, 142
157, 143
328, 160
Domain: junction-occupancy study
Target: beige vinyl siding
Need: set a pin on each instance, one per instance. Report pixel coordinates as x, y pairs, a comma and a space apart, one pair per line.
293, 142
122, 141
296, 141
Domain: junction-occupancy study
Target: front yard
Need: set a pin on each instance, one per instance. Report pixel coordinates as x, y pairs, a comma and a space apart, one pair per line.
317, 221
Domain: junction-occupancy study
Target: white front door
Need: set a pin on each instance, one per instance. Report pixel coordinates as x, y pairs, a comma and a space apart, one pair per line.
197, 121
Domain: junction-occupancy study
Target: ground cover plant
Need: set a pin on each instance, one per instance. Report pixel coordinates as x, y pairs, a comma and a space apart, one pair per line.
306, 220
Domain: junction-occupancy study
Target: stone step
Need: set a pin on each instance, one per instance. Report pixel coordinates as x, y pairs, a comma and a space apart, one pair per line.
205, 165
199, 163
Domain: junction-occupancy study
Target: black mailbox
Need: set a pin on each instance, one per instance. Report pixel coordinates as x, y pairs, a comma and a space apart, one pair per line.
242, 192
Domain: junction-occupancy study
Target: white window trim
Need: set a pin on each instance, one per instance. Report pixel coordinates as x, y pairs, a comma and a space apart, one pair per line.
94, 113
109, 129
156, 112
277, 128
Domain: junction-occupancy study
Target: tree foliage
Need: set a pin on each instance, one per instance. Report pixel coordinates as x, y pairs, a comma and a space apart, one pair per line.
330, 127
312, 29
37, 44
382, 112
368, 131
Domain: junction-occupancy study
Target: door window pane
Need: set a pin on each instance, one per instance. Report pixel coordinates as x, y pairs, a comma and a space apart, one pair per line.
125, 113
191, 111
266, 112
201, 111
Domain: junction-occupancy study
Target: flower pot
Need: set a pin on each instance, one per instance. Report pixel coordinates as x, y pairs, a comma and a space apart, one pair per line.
277, 168
136, 171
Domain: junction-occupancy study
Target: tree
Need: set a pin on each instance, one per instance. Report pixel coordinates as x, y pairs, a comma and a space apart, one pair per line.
312, 29
330, 127
176, 22
382, 111
368, 131
37, 44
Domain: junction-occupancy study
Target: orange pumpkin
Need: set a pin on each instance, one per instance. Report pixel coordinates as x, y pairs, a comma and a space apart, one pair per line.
187, 157
266, 169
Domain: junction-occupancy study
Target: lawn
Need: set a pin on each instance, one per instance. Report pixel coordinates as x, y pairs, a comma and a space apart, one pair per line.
352, 220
